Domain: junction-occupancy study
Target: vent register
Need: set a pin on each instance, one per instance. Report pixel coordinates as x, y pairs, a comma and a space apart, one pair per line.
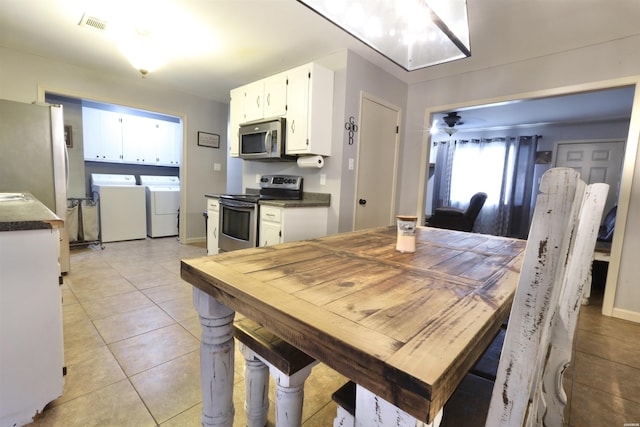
93, 22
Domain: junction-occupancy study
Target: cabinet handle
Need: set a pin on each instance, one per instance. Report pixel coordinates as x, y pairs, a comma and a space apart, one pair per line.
268, 99
258, 101
293, 126
215, 233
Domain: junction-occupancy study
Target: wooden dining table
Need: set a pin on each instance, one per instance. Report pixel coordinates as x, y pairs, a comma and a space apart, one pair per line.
405, 326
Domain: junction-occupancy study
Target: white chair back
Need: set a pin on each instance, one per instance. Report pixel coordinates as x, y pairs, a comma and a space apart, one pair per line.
551, 263
576, 278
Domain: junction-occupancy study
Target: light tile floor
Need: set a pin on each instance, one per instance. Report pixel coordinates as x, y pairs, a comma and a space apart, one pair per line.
131, 338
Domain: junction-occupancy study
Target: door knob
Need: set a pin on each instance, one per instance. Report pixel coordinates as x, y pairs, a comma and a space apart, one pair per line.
362, 202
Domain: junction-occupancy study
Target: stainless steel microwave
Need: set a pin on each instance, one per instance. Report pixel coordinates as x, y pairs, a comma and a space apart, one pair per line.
264, 140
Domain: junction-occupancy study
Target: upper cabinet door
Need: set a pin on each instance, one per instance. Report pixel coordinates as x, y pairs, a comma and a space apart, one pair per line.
168, 147
138, 140
310, 110
298, 110
275, 96
254, 101
91, 134
111, 128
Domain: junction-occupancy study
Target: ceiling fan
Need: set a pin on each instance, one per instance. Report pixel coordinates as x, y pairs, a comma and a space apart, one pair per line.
451, 120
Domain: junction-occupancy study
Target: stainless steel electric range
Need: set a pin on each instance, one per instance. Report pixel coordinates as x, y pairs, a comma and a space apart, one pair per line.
240, 214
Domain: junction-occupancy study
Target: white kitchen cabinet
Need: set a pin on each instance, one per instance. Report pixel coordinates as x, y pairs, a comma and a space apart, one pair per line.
303, 95
168, 148
138, 140
101, 135
31, 337
282, 225
275, 96
253, 103
213, 219
309, 110
125, 138
264, 98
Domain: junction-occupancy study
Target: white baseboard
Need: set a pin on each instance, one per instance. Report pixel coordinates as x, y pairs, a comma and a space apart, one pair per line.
632, 316
194, 240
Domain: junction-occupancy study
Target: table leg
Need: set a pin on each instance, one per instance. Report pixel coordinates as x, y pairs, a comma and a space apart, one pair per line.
216, 360
374, 411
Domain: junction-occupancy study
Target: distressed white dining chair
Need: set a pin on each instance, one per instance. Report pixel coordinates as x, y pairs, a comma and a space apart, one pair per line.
539, 336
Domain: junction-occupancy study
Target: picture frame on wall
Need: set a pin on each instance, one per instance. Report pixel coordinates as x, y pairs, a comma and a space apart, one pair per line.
68, 136
206, 139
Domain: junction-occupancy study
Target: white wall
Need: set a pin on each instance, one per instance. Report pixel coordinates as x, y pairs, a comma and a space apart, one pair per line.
538, 76
22, 76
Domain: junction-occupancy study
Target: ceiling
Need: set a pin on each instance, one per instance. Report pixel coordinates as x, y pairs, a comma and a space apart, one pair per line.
223, 44
601, 105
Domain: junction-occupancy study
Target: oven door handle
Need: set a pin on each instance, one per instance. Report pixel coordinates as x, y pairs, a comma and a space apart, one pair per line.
237, 204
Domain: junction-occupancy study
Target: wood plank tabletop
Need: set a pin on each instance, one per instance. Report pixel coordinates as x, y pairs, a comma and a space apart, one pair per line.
406, 326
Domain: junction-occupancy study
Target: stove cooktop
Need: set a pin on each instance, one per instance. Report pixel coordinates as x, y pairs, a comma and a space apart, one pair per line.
272, 187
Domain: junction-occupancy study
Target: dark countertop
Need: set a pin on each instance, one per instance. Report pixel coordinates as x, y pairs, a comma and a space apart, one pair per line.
22, 211
308, 200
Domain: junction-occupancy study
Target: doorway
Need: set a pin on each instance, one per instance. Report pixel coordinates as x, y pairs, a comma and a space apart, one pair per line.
80, 169
378, 149
622, 108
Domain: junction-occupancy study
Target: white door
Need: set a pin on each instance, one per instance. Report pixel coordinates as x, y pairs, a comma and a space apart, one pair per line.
597, 161
377, 164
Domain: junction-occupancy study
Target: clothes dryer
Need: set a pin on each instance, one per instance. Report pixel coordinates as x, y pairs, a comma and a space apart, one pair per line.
163, 204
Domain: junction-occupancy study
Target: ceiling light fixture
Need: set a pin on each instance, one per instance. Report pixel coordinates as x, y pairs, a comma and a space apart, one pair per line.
412, 33
144, 51
450, 131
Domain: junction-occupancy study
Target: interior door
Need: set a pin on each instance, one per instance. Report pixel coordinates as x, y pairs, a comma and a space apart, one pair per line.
377, 164
597, 161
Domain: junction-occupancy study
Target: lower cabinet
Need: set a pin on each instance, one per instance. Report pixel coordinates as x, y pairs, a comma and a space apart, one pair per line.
31, 340
213, 216
282, 225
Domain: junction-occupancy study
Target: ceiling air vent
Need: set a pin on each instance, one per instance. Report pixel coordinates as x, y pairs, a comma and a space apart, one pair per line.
93, 22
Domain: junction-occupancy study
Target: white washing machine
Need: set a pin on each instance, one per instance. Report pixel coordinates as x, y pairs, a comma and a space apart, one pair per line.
163, 204
122, 209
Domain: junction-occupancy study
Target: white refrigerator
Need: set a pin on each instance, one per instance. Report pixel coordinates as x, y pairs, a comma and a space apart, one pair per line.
33, 158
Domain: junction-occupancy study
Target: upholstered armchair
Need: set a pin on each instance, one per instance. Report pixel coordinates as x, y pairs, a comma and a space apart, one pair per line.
458, 219
605, 234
